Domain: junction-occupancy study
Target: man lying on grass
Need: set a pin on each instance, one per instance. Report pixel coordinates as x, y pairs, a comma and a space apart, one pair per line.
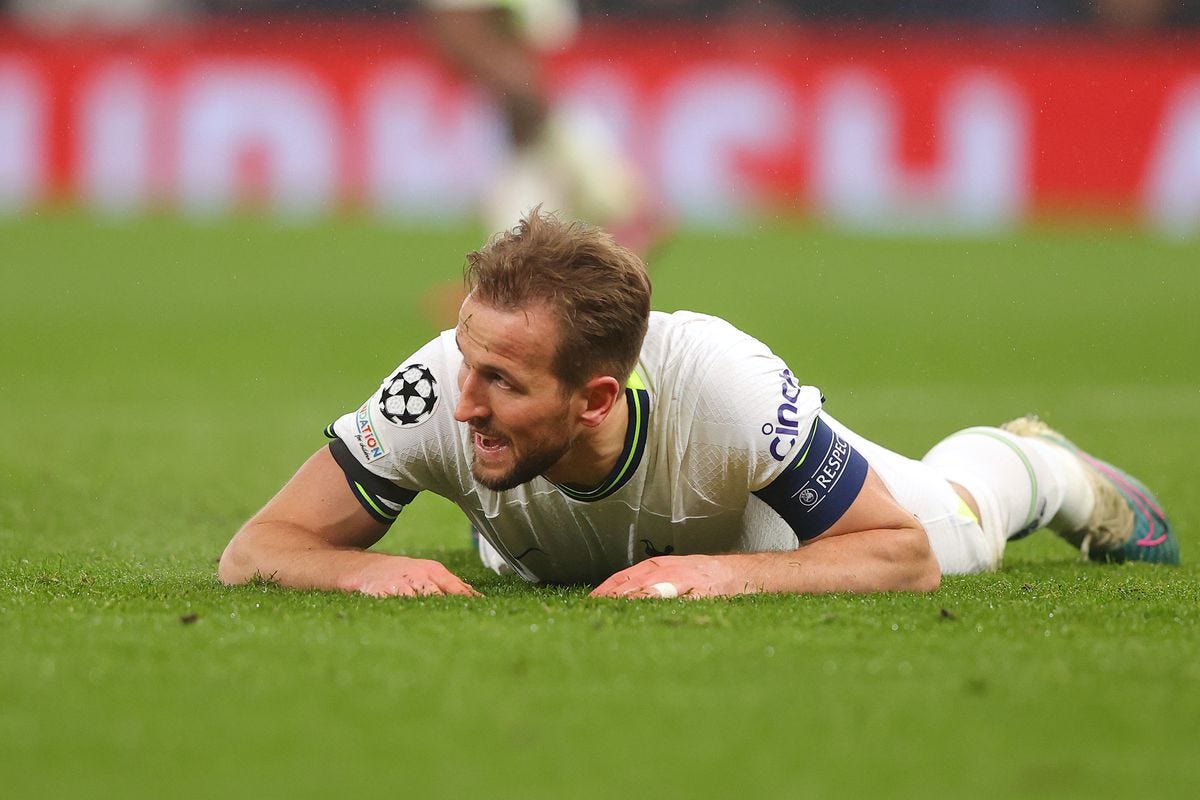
591, 441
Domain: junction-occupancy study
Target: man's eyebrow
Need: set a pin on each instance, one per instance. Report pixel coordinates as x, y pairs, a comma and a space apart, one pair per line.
487, 366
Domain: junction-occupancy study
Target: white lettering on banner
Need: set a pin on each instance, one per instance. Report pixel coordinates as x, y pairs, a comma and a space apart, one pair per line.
208, 132
115, 123
980, 182
428, 151
853, 177
1172, 185
986, 177
710, 117
22, 136
229, 111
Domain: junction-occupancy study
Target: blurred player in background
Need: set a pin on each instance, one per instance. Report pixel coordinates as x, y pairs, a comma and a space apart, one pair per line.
564, 161
592, 441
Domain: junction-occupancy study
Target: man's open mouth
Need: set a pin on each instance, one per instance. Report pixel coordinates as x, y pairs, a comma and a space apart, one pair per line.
489, 444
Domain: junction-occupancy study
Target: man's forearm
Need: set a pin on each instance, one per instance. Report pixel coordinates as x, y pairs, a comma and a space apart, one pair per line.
864, 561
867, 561
290, 556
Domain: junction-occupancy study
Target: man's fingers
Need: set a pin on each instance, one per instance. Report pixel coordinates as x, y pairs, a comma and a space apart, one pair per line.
455, 585
449, 583
405, 588
611, 586
417, 578
645, 579
634, 590
444, 585
658, 590
389, 590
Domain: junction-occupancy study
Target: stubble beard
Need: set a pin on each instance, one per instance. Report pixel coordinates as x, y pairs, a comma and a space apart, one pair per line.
540, 457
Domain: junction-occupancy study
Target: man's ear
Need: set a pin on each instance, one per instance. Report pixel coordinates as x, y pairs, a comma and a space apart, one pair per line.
599, 395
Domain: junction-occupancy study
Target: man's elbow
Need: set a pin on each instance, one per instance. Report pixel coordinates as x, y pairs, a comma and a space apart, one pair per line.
925, 574
929, 577
236, 566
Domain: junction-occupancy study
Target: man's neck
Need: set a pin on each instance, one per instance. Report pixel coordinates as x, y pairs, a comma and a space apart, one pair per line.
594, 454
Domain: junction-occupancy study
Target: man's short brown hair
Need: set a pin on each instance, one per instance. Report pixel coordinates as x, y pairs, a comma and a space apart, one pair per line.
599, 291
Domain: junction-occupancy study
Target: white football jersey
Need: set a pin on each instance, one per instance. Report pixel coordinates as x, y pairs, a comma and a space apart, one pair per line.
725, 452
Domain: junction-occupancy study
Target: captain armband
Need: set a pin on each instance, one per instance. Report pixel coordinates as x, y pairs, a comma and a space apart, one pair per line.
820, 483
381, 498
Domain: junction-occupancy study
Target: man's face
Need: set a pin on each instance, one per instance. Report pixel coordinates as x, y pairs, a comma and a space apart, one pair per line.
520, 420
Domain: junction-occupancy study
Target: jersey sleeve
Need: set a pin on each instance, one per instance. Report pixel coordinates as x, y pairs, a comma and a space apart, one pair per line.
819, 484
381, 498
777, 443
397, 442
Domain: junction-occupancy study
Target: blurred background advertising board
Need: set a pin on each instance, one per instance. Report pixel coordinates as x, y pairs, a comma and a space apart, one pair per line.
873, 125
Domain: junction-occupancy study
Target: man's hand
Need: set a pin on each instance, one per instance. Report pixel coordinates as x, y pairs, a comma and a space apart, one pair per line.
692, 577
398, 576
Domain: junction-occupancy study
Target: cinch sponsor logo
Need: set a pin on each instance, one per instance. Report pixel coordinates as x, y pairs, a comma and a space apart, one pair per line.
367, 440
787, 418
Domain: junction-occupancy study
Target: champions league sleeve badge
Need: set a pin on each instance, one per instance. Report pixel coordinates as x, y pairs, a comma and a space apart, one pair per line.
409, 397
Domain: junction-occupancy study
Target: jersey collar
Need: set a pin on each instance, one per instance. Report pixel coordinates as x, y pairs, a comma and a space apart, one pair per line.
637, 401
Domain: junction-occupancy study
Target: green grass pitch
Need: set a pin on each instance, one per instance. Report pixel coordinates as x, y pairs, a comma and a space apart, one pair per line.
160, 380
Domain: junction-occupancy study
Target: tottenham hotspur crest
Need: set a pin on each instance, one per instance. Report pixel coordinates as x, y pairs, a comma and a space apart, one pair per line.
409, 396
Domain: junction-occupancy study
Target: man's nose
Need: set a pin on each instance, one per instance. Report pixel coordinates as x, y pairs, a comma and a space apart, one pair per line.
470, 404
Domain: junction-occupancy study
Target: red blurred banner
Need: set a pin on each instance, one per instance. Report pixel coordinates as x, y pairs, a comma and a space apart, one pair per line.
960, 128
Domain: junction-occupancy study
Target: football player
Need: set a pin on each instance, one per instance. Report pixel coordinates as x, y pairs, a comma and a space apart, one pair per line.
591, 441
